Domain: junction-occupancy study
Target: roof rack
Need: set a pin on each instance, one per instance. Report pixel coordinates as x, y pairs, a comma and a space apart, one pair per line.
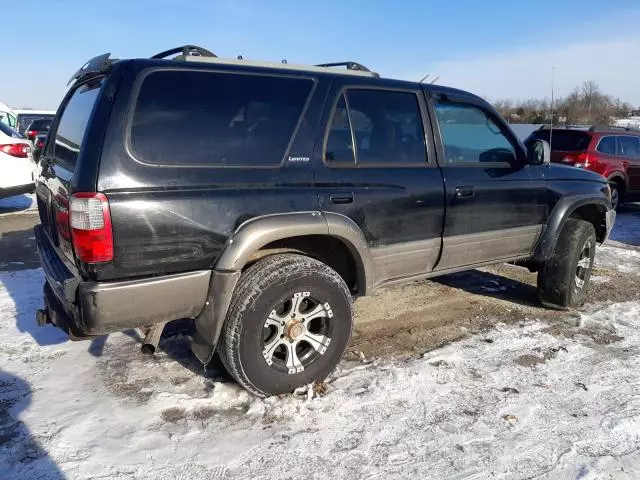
186, 51
275, 65
606, 128
350, 66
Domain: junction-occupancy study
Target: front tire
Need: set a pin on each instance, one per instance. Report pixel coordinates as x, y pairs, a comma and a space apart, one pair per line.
563, 280
288, 324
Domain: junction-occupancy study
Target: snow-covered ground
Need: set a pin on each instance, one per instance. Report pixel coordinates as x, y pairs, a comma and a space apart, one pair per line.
535, 400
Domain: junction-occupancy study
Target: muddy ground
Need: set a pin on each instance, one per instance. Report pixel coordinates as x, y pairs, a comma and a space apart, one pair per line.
408, 320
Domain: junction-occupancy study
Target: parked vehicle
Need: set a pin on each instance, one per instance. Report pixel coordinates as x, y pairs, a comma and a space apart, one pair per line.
260, 198
8, 116
26, 117
38, 146
16, 163
38, 127
611, 152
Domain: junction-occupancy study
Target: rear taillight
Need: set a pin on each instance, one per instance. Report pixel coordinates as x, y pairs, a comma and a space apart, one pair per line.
31, 134
580, 160
19, 150
90, 222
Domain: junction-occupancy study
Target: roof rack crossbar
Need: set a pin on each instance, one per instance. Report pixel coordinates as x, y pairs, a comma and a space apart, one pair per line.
350, 66
186, 50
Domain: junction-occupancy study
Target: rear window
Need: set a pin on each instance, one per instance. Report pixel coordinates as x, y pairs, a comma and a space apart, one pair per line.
24, 120
565, 140
195, 118
42, 124
74, 121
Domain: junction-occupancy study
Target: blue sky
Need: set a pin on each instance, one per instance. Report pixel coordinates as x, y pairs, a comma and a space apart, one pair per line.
496, 48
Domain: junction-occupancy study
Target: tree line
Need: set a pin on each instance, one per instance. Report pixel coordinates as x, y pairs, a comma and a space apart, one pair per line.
585, 105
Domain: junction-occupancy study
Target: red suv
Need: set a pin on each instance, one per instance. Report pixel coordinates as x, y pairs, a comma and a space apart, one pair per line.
612, 152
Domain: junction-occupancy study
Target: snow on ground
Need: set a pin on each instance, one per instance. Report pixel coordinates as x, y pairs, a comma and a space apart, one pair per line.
527, 401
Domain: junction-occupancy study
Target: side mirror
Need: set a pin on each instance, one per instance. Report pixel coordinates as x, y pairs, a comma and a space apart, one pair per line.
539, 153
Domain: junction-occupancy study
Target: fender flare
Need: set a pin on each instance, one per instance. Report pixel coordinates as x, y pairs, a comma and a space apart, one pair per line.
250, 237
565, 207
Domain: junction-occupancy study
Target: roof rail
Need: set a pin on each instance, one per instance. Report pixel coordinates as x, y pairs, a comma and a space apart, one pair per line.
186, 50
350, 66
605, 128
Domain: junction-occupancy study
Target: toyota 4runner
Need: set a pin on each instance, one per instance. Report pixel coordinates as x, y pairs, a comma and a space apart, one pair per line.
261, 198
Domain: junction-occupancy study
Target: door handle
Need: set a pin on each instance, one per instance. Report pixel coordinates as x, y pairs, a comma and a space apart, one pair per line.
464, 192
341, 198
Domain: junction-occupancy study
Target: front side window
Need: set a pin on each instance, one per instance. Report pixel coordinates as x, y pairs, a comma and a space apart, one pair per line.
198, 118
607, 145
372, 127
629, 147
470, 135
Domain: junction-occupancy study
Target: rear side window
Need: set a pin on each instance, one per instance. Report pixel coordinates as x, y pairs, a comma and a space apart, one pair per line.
74, 122
386, 127
565, 140
607, 145
195, 118
629, 147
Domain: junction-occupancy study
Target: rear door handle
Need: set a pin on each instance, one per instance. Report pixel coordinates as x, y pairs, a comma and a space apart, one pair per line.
341, 198
464, 192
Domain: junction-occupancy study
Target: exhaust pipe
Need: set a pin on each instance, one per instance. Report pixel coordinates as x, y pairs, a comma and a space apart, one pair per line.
152, 339
42, 317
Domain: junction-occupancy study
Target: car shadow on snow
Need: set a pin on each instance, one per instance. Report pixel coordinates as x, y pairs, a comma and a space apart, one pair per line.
492, 285
17, 203
21, 455
627, 226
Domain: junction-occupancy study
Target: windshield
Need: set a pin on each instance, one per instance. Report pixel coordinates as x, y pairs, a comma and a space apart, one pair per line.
7, 130
564, 140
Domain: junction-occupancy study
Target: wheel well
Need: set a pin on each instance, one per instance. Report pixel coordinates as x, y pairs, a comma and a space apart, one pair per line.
620, 183
329, 250
594, 214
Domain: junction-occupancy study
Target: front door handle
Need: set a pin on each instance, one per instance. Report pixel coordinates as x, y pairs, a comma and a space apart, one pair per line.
341, 198
464, 192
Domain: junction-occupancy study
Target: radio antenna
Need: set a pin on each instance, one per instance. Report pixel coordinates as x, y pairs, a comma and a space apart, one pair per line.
553, 71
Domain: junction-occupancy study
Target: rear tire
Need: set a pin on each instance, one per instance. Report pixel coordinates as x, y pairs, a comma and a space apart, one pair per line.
563, 279
616, 194
288, 324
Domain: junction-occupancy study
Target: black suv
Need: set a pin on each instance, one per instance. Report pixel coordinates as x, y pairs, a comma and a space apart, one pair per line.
261, 198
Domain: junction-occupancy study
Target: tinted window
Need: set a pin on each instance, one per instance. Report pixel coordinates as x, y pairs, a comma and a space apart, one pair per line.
7, 130
73, 123
24, 120
607, 145
470, 135
216, 119
629, 147
565, 140
339, 142
387, 128
40, 125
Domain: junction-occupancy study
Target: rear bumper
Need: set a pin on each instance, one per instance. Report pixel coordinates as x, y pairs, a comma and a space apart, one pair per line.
85, 309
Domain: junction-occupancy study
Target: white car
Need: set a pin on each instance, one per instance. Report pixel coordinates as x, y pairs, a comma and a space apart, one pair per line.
16, 163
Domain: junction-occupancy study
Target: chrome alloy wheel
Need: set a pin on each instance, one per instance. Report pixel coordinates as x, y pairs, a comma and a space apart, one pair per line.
296, 333
584, 264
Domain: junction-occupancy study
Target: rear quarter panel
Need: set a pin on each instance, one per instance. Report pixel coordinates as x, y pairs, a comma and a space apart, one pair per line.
171, 219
